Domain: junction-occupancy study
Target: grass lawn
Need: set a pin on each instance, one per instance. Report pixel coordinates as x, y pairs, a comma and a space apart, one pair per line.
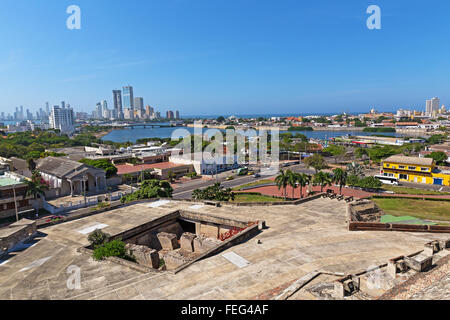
405, 190
242, 197
423, 209
254, 184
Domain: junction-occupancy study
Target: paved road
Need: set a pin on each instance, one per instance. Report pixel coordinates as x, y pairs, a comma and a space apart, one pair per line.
184, 191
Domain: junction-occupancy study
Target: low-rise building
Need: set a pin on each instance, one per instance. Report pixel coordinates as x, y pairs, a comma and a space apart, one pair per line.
159, 170
205, 164
67, 177
415, 169
13, 195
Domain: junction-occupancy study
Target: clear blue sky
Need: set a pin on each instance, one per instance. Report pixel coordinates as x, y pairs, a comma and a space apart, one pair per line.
226, 56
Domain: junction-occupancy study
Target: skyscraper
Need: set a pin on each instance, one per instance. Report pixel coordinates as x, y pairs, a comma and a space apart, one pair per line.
105, 111
117, 98
98, 111
428, 107
177, 115
139, 104
128, 99
169, 114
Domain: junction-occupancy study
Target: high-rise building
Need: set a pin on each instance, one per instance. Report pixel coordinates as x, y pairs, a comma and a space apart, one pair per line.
149, 111
169, 114
117, 98
432, 106
62, 119
139, 104
177, 115
98, 111
435, 105
128, 99
105, 111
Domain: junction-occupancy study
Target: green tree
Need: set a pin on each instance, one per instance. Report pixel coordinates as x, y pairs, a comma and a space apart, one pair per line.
292, 181
340, 178
104, 164
303, 179
36, 187
282, 181
336, 151
150, 189
316, 161
323, 179
439, 157
215, 192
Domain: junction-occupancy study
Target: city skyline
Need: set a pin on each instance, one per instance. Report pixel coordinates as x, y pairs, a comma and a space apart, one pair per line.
288, 57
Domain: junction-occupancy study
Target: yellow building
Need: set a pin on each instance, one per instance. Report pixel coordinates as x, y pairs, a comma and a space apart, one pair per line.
415, 169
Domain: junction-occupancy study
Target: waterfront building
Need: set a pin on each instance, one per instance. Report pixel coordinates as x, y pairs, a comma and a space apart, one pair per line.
415, 169
169, 115
139, 104
128, 114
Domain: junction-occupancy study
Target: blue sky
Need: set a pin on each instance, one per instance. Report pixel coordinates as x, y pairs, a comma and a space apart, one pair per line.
226, 56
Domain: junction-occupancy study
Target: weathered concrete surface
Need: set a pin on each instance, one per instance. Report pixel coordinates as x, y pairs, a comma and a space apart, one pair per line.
187, 241
298, 240
168, 241
143, 255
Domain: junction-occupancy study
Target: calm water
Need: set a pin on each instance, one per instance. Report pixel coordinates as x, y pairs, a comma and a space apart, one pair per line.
132, 135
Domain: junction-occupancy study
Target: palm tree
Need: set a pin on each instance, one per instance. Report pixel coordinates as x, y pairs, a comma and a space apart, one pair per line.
292, 181
302, 179
322, 179
282, 181
36, 187
340, 177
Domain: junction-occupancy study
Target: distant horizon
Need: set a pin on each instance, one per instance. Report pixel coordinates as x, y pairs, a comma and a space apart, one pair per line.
239, 57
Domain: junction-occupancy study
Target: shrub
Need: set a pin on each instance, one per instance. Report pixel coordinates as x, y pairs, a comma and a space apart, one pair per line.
150, 189
191, 174
370, 183
352, 181
115, 248
98, 238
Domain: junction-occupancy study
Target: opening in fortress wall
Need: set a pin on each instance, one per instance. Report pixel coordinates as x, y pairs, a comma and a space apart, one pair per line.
178, 239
